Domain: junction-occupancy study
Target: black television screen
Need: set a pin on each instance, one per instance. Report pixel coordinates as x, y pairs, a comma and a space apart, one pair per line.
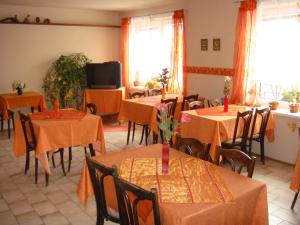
105, 75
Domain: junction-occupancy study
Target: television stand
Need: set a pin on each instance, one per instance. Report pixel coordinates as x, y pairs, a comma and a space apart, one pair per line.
108, 101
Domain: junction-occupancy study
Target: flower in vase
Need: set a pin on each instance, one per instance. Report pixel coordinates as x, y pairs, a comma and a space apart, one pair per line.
163, 77
168, 124
227, 86
18, 85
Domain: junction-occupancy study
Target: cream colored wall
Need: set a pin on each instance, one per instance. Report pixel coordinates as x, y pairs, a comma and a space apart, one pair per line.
27, 51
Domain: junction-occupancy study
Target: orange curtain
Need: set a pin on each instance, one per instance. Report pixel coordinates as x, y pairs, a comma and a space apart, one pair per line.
244, 34
125, 52
178, 80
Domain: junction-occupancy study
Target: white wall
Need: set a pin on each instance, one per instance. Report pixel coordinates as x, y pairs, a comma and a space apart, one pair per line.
27, 51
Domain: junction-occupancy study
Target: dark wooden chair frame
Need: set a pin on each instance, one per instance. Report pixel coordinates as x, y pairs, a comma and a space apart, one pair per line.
145, 131
27, 128
246, 118
98, 173
188, 144
188, 99
238, 160
92, 108
154, 91
128, 208
295, 200
264, 115
215, 102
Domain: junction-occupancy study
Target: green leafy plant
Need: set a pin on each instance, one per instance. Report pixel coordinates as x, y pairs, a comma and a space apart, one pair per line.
291, 95
66, 80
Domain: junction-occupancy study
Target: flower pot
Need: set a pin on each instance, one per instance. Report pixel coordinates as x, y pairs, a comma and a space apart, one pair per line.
294, 108
19, 91
274, 105
163, 93
165, 157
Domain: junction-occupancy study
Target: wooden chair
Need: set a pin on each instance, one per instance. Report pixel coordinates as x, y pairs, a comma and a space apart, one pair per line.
215, 102
91, 107
238, 160
243, 122
10, 119
295, 199
188, 99
145, 127
172, 103
264, 115
32, 109
192, 147
30, 142
98, 173
128, 206
154, 91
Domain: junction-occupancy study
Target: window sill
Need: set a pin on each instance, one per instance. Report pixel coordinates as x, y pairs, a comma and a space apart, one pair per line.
286, 113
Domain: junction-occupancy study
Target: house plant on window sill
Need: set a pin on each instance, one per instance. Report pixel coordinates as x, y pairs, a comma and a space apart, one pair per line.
168, 125
293, 97
164, 80
18, 86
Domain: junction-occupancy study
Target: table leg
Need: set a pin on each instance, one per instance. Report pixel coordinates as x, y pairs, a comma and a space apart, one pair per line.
92, 151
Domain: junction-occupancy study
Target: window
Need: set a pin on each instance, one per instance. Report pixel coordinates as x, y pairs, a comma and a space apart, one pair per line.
150, 46
275, 52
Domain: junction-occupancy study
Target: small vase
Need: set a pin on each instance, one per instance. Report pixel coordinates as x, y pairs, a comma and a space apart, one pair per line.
19, 91
165, 157
226, 104
56, 105
163, 93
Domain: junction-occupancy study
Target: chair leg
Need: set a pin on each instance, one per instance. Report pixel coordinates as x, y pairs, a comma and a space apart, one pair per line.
85, 151
8, 127
36, 171
61, 152
143, 131
47, 179
92, 151
147, 134
53, 161
262, 150
70, 159
294, 200
32, 109
133, 131
128, 132
2, 121
27, 161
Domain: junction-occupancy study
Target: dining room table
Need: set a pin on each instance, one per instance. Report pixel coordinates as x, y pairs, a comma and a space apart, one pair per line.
143, 110
213, 126
192, 192
62, 129
10, 101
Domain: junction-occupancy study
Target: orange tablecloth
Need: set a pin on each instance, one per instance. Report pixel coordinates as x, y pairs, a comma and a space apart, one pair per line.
295, 183
52, 134
213, 126
250, 196
27, 99
143, 110
106, 100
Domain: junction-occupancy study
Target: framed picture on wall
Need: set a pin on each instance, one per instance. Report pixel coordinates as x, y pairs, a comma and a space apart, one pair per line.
216, 44
204, 44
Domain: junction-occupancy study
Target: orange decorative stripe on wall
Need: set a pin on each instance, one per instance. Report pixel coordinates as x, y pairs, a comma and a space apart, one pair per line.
210, 70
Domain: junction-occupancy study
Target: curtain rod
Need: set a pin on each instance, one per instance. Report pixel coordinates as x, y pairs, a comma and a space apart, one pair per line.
154, 14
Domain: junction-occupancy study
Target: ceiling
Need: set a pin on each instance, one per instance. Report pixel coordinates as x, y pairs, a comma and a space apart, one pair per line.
112, 5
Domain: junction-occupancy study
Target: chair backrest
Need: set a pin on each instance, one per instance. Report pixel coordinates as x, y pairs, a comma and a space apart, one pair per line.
28, 131
172, 103
243, 121
215, 102
130, 197
139, 94
154, 91
238, 160
98, 173
188, 99
264, 115
192, 147
195, 105
92, 108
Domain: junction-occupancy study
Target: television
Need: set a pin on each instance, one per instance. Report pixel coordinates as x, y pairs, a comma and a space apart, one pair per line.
105, 75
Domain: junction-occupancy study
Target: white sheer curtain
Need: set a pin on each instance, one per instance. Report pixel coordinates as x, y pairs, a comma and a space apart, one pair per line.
150, 46
274, 60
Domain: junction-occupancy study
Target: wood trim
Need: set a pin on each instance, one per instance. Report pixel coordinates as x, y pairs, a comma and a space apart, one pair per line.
210, 70
65, 24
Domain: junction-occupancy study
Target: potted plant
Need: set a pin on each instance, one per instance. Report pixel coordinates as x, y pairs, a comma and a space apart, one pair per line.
293, 97
66, 79
18, 86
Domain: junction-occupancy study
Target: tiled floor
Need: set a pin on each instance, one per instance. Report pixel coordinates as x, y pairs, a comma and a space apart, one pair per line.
24, 203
